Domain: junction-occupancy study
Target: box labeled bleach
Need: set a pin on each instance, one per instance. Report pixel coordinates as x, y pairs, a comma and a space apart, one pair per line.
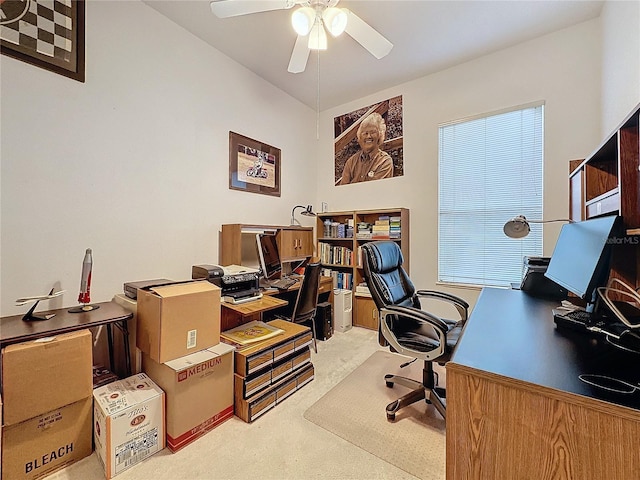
129, 422
199, 390
48, 442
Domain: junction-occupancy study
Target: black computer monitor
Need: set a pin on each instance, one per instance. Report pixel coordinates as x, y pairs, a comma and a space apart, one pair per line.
269, 256
580, 260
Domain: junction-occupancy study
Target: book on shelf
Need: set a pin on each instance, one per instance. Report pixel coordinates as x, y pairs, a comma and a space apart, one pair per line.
251, 332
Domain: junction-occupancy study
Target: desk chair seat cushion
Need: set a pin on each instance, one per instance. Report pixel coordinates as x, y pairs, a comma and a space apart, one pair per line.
422, 337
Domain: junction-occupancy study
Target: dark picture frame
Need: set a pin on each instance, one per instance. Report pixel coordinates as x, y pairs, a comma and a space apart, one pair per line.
50, 39
253, 166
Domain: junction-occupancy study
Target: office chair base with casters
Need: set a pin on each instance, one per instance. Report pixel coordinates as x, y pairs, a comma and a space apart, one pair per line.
425, 390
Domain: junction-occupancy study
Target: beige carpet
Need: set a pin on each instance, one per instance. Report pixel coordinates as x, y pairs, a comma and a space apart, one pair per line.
355, 411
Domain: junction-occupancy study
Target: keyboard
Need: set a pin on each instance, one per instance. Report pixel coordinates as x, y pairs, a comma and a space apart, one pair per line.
587, 322
574, 319
283, 283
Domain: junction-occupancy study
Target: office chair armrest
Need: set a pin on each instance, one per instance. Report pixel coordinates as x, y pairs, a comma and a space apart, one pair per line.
416, 314
421, 316
461, 305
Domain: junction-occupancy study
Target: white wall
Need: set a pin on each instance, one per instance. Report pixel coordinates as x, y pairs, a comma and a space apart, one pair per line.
134, 163
620, 63
562, 69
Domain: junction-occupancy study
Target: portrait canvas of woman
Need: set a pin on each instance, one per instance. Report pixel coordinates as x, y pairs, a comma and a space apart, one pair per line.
368, 143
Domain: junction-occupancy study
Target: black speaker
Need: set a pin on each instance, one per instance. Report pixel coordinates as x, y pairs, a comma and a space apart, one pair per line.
324, 321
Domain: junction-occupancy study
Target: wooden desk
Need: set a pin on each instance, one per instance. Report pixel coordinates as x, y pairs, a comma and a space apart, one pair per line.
516, 408
235, 315
14, 330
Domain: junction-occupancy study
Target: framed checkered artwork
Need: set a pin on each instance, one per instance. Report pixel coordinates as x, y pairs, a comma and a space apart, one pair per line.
45, 33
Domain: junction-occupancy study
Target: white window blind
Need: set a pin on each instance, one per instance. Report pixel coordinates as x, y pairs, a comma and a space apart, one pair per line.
490, 170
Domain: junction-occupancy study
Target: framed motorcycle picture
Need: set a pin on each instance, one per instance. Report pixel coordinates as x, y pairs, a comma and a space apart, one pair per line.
253, 166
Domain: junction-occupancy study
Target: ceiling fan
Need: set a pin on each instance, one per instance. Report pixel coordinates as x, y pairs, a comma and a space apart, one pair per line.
311, 20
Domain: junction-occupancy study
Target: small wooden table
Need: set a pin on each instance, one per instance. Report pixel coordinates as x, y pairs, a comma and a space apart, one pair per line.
15, 330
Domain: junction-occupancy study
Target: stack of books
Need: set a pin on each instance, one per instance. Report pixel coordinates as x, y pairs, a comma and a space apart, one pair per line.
380, 229
364, 230
394, 227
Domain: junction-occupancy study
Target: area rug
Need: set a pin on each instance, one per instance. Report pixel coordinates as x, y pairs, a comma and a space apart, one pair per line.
355, 411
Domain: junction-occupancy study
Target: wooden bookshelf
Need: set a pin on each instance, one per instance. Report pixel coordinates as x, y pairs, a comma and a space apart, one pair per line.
338, 248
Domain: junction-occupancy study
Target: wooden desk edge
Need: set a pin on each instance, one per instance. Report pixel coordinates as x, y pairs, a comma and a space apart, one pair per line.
548, 392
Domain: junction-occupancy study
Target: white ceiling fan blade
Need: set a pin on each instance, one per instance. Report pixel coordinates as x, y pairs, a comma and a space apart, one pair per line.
367, 36
234, 8
299, 56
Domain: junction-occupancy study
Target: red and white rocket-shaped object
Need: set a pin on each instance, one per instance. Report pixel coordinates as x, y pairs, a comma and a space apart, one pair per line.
85, 281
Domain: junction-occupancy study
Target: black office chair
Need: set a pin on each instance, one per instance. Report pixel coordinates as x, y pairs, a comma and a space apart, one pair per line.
406, 328
304, 310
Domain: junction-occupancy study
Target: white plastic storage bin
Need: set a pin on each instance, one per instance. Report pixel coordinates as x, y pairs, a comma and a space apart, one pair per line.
342, 309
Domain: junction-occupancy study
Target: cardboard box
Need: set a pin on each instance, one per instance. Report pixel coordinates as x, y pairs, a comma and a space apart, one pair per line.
177, 320
45, 374
129, 419
199, 389
41, 445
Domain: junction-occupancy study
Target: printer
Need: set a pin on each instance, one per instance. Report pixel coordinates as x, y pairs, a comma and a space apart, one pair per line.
238, 284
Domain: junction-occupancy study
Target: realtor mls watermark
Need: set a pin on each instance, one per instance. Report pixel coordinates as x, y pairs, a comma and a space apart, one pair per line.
628, 240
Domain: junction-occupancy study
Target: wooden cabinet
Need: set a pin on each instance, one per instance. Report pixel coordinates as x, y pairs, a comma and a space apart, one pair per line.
238, 246
295, 243
366, 314
340, 236
607, 183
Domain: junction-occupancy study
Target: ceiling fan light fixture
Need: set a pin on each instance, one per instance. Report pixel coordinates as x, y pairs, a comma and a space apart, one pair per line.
335, 20
317, 37
302, 20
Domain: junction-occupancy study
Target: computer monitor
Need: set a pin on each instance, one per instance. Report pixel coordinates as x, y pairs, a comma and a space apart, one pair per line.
269, 256
580, 260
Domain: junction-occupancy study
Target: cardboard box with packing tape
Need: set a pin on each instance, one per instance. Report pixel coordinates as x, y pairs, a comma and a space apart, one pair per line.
199, 390
178, 319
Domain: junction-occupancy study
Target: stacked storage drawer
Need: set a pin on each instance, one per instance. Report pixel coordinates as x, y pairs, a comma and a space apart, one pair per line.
268, 372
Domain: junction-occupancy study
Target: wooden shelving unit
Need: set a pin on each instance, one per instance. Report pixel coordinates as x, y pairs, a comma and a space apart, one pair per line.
344, 244
607, 183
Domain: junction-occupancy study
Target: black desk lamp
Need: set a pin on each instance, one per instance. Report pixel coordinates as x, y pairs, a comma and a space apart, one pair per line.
307, 212
518, 227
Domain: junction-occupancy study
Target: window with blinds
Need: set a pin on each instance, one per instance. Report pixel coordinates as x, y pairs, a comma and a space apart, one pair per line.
490, 170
